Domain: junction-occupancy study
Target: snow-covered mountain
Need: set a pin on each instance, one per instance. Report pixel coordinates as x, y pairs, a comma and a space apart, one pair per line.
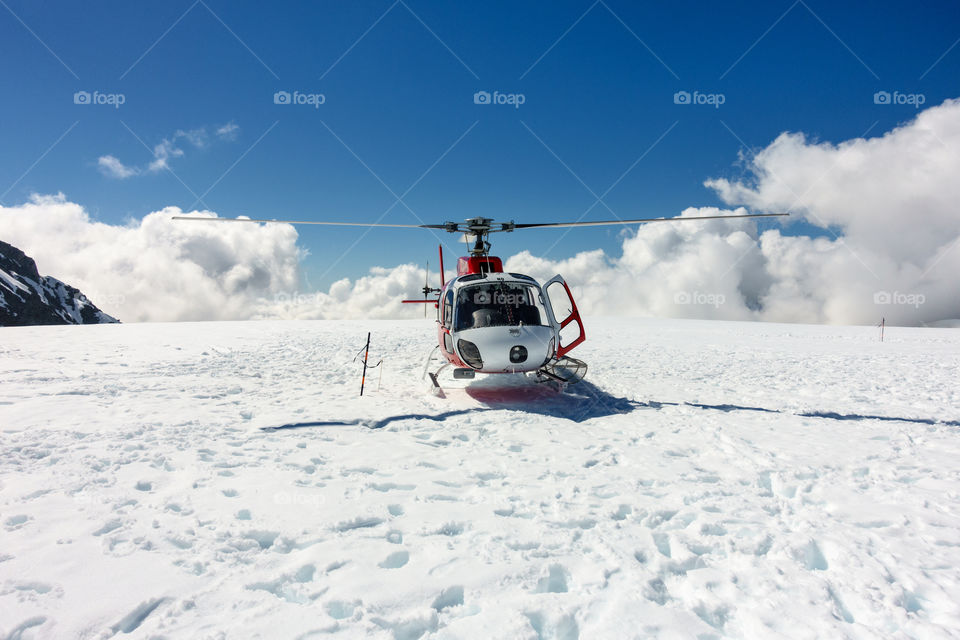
26, 298
706, 480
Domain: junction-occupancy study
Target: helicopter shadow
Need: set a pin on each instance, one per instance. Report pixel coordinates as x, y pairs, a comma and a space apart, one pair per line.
826, 415
369, 424
577, 403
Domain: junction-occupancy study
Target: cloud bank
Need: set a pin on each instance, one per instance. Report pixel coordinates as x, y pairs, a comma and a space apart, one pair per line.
156, 269
890, 203
891, 210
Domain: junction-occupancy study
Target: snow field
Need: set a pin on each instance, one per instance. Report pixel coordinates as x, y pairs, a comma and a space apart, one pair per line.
707, 480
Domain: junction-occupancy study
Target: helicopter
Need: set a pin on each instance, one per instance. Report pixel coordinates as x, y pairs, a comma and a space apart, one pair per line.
491, 321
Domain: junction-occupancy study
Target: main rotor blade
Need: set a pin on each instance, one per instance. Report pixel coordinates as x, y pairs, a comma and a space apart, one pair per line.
330, 224
601, 223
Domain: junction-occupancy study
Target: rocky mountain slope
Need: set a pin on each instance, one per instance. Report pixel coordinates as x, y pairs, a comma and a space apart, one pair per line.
27, 298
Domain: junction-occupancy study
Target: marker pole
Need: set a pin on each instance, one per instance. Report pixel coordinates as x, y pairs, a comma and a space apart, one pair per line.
363, 380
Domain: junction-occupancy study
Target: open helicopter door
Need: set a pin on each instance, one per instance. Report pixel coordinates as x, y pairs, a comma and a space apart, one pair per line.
565, 314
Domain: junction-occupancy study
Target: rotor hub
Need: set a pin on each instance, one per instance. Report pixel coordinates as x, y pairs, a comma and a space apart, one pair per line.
478, 230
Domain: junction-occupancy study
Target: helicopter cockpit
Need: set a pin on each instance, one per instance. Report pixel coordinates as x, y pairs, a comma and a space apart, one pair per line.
499, 304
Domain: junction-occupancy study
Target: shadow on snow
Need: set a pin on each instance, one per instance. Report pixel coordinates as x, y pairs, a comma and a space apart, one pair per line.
578, 403
828, 415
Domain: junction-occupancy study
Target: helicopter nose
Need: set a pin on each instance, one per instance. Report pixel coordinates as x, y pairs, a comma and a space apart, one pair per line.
506, 349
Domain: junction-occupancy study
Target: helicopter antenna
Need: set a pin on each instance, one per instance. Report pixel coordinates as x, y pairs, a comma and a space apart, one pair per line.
443, 278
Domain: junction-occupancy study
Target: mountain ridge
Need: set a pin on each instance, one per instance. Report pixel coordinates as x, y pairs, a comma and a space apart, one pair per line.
29, 299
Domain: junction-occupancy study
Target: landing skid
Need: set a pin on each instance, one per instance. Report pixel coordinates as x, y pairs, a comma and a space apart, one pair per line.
433, 374
563, 371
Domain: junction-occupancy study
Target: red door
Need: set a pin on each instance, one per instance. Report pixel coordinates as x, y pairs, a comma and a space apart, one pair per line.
566, 315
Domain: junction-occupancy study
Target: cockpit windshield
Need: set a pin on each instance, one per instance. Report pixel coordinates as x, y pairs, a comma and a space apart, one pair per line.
499, 304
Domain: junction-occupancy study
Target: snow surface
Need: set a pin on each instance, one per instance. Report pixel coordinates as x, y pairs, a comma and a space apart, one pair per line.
708, 479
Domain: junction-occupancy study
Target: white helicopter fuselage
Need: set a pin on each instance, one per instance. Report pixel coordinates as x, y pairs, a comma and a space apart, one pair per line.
490, 321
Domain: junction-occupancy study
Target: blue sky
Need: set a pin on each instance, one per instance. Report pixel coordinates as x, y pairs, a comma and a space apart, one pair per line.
399, 119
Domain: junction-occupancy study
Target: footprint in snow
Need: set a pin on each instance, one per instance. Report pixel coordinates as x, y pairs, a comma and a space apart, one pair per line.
108, 527
812, 557
21, 629
359, 522
563, 628
395, 560
451, 529
340, 610
622, 512
449, 597
132, 621
31, 589
263, 538
554, 582
662, 542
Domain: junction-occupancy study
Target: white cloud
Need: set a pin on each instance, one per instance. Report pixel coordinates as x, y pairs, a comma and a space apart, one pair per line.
196, 137
228, 131
113, 168
161, 155
166, 150
895, 194
893, 199
154, 268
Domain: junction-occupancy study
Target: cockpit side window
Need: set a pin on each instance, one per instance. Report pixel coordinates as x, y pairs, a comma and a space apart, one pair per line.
448, 309
499, 304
